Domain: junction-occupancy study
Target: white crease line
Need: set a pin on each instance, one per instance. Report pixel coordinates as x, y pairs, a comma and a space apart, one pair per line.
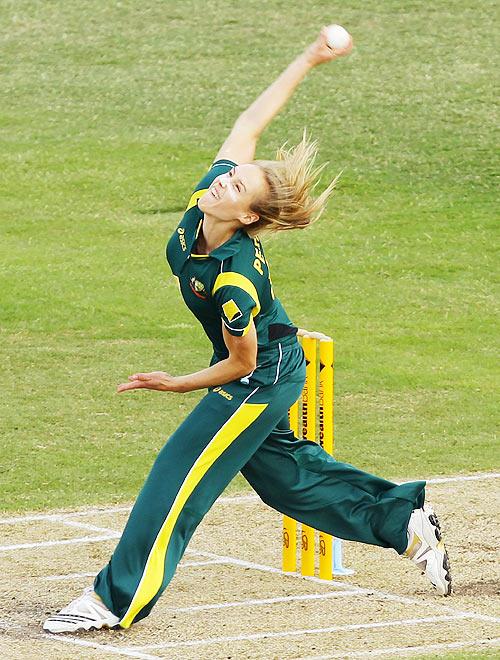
472, 477
271, 601
303, 631
406, 650
261, 567
226, 499
44, 544
6, 625
271, 569
205, 562
225, 560
131, 653
55, 517
76, 576
335, 584
91, 528
338, 584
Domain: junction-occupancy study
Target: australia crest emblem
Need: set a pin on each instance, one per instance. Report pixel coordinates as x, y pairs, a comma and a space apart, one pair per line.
198, 288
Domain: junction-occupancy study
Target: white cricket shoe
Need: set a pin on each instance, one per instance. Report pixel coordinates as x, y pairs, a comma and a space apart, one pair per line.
426, 548
84, 613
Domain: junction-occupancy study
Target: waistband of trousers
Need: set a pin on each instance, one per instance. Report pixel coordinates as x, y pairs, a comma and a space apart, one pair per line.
269, 349
272, 347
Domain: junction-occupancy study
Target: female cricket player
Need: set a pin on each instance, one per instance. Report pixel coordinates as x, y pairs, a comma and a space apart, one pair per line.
256, 373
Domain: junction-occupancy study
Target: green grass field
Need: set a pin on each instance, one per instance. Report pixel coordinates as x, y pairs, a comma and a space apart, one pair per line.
111, 113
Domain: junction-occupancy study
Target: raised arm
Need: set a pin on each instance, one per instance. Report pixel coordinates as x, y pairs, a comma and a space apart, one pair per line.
242, 141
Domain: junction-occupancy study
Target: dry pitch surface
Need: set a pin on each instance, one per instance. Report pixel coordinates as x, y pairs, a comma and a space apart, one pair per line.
229, 598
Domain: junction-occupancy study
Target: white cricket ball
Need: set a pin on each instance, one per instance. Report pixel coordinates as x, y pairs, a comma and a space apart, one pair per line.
337, 37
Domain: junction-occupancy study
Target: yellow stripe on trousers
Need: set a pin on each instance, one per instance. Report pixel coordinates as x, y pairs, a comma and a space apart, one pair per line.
152, 577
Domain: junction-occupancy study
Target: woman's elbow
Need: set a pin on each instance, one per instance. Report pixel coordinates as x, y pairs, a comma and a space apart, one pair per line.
245, 366
250, 367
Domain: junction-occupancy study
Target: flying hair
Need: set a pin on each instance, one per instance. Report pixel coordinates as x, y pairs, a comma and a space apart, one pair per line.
291, 180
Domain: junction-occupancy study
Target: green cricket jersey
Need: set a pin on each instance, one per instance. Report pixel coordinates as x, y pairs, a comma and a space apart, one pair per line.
231, 285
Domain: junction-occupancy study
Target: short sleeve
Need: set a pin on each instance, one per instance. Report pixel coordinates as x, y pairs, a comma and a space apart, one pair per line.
236, 308
217, 168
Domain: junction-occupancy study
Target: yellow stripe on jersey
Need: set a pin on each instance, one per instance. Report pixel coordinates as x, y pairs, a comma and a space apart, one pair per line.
245, 331
152, 576
236, 279
195, 197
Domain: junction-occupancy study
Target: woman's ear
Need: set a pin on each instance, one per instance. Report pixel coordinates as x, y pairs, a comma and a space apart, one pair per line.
249, 218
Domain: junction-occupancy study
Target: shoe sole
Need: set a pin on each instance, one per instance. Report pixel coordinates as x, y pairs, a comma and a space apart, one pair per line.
82, 628
434, 522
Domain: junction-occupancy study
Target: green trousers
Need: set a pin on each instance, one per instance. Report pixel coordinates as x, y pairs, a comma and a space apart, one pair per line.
243, 426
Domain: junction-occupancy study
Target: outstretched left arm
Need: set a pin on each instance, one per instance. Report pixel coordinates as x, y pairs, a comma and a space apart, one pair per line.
241, 361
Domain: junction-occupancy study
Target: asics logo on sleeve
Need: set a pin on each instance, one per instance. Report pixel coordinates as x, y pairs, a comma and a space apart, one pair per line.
182, 239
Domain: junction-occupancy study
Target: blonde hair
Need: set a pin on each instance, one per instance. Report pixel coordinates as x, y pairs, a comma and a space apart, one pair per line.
290, 179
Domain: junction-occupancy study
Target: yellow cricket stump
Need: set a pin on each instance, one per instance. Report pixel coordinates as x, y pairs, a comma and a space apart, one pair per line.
326, 441
306, 414
308, 433
289, 545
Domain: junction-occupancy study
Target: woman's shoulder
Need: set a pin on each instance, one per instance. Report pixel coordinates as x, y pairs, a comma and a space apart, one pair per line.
248, 259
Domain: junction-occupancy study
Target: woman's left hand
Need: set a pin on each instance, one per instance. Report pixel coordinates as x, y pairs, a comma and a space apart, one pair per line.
320, 52
154, 380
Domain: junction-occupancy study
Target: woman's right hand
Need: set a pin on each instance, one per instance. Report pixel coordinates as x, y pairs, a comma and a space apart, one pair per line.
320, 52
154, 380
309, 333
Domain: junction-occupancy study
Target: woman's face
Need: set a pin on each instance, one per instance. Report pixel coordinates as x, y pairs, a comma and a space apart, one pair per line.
230, 196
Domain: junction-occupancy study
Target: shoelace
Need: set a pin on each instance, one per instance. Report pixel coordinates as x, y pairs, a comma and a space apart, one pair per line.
87, 603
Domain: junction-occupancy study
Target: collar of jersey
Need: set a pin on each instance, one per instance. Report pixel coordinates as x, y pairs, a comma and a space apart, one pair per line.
227, 249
